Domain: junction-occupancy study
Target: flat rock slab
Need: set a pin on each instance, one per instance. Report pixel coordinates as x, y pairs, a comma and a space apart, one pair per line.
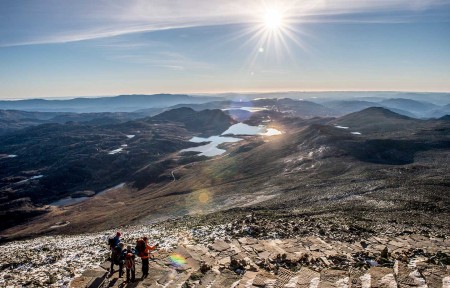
208, 280
434, 275
247, 280
407, 277
94, 273
264, 279
80, 282
380, 277
306, 276
220, 245
283, 277
333, 278
261, 264
227, 279
359, 279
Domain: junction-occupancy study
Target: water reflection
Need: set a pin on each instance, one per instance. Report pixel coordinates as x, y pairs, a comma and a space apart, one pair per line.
242, 129
210, 149
249, 109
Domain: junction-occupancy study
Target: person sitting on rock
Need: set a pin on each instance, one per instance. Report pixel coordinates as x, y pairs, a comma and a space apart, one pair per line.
129, 257
144, 255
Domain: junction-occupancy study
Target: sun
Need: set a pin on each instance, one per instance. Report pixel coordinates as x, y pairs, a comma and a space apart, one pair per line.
274, 30
273, 19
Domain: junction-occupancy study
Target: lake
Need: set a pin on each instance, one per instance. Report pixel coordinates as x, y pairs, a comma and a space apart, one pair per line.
244, 129
71, 201
211, 149
249, 109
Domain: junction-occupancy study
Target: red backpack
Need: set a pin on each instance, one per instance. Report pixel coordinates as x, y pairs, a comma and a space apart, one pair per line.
140, 248
129, 260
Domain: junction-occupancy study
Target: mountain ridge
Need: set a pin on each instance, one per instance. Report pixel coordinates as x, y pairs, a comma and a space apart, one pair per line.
121, 103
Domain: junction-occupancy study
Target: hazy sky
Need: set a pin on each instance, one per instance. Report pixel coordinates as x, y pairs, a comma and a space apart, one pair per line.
85, 48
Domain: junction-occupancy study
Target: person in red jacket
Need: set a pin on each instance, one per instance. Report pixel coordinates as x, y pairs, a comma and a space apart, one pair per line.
145, 257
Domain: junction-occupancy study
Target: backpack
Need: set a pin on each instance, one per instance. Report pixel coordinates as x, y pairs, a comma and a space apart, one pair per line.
129, 260
116, 255
140, 247
111, 242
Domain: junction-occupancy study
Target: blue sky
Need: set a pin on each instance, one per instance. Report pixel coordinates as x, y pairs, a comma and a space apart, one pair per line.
90, 48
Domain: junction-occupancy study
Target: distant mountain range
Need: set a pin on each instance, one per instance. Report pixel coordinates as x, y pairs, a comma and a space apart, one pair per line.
149, 105
122, 103
407, 107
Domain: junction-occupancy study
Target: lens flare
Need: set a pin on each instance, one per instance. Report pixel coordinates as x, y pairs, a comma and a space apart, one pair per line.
177, 260
203, 197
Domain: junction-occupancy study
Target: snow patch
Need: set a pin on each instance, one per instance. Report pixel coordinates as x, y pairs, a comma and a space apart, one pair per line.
116, 151
31, 178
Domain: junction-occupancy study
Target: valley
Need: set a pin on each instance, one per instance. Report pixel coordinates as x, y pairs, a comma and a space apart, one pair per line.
370, 174
381, 158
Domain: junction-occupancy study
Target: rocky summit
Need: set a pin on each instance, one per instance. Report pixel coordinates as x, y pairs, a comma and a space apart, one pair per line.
229, 255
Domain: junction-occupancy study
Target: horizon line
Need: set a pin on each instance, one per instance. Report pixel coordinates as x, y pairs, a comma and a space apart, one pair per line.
221, 93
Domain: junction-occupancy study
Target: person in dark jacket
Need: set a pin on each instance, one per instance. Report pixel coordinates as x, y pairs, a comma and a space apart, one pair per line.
129, 260
116, 256
113, 243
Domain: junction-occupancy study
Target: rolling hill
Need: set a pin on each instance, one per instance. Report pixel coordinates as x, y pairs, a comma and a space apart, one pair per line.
55, 161
395, 170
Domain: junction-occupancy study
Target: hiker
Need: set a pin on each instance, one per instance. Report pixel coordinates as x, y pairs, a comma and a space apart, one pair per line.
113, 242
129, 257
116, 250
116, 259
143, 249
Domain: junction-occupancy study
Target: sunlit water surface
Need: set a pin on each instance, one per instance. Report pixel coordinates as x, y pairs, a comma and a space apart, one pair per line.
211, 149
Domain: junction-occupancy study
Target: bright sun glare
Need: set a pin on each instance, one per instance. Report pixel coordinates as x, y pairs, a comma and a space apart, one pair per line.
273, 30
273, 19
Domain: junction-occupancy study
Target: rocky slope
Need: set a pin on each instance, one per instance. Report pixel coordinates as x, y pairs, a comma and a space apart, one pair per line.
230, 255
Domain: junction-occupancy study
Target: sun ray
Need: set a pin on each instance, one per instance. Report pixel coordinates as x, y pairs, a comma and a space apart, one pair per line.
272, 32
